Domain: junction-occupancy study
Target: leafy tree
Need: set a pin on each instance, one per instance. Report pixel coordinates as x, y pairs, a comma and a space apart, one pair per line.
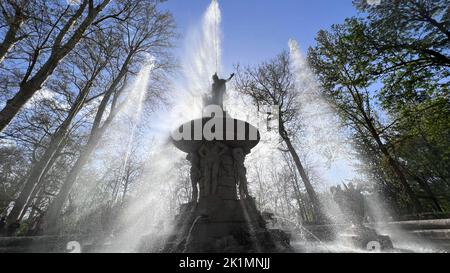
387, 73
342, 64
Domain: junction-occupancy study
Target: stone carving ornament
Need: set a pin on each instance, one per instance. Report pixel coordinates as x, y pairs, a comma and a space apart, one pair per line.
209, 164
241, 172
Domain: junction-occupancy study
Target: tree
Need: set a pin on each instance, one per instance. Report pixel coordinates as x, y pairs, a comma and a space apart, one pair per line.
410, 41
90, 62
383, 57
56, 46
14, 14
150, 32
11, 173
272, 83
59, 128
410, 34
341, 62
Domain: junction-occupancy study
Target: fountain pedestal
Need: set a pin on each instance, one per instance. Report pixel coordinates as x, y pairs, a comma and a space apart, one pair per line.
222, 216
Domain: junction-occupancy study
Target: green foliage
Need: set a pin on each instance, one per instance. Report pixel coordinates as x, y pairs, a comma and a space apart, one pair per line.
390, 69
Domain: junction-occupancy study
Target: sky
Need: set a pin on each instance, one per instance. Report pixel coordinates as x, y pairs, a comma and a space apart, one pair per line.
256, 30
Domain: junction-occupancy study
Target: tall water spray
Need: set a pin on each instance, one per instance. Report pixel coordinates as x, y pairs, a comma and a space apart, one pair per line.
203, 53
149, 211
324, 138
133, 109
201, 59
115, 149
331, 152
147, 218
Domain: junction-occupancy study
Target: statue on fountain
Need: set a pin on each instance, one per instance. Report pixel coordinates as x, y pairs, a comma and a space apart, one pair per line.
218, 90
241, 172
194, 174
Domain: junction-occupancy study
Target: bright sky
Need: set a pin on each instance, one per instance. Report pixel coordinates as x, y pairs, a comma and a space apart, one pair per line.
255, 30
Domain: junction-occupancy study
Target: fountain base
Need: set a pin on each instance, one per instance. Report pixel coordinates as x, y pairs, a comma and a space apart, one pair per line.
367, 238
222, 217
215, 225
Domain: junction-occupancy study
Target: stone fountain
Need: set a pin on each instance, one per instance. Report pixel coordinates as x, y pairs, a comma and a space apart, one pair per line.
221, 216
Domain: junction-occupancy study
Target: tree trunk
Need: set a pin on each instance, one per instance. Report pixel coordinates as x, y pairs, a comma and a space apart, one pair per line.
11, 35
395, 166
295, 185
318, 211
53, 213
125, 186
38, 169
426, 187
29, 88
51, 217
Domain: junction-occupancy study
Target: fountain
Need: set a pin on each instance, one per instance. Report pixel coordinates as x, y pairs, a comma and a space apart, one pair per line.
218, 219
222, 216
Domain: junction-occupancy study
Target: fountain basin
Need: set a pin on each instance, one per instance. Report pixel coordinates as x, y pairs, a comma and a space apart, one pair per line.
232, 132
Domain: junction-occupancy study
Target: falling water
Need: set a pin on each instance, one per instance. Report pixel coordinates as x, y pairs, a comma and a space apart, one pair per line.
333, 155
322, 140
134, 105
117, 144
146, 220
323, 136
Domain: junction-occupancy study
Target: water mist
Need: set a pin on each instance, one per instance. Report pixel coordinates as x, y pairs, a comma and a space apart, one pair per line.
148, 217
331, 153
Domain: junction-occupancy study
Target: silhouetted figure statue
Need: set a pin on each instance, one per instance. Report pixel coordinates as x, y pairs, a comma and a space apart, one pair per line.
218, 89
210, 163
241, 179
195, 174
